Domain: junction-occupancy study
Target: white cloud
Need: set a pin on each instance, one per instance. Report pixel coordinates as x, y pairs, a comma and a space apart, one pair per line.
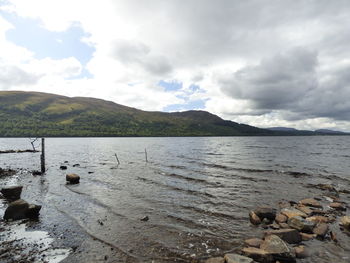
263, 62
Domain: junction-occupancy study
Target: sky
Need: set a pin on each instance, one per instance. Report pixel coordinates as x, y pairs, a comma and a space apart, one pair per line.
261, 62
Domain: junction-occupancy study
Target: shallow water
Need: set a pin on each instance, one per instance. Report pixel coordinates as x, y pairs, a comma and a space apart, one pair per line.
197, 192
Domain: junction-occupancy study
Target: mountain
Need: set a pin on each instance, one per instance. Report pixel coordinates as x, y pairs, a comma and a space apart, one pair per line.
292, 131
35, 114
329, 131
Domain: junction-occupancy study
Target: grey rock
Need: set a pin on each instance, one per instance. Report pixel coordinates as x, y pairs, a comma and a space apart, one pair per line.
235, 258
278, 249
12, 192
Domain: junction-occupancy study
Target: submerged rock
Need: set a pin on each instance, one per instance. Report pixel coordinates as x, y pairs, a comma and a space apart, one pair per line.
63, 167
235, 258
73, 178
12, 192
291, 236
145, 218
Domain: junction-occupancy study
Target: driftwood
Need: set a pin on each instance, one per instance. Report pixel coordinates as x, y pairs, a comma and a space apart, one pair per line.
19, 151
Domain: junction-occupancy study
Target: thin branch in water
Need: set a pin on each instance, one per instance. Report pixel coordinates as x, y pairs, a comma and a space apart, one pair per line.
116, 156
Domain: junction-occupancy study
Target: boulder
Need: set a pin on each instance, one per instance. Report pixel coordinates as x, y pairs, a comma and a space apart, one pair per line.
266, 212
345, 221
258, 254
338, 206
253, 242
16, 210
291, 236
321, 230
12, 192
215, 260
254, 219
292, 212
235, 258
301, 224
276, 247
311, 202
280, 218
73, 178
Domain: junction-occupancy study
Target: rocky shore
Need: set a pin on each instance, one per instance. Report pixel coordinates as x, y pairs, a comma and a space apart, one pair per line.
289, 228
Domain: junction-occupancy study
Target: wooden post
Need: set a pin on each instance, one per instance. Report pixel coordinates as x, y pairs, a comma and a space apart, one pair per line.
42, 156
146, 155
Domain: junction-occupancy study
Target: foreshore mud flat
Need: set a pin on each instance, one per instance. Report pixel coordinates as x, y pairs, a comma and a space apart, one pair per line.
196, 194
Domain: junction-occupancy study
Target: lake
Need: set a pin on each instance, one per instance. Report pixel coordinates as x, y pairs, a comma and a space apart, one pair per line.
196, 191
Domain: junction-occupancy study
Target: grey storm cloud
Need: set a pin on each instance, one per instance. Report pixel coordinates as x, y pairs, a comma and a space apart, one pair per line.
277, 82
13, 76
292, 82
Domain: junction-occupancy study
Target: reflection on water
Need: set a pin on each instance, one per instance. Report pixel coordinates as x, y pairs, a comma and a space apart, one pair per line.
196, 191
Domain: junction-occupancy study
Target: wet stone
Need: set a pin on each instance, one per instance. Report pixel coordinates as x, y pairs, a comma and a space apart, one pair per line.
338, 206
265, 212
321, 229
215, 260
253, 242
16, 210
235, 258
301, 224
311, 202
258, 254
307, 237
63, 167
301, 252
73, 178
12, 192
345, 221
291, 236
292, 212
254, 219
280, 218
278, 249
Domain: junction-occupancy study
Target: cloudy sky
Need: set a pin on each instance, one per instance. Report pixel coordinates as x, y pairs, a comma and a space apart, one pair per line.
265, 63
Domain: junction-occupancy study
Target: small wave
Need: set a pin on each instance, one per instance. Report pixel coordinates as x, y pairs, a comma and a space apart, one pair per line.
189, 191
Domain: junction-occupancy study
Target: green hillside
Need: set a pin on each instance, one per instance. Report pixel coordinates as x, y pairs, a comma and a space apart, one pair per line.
34, 114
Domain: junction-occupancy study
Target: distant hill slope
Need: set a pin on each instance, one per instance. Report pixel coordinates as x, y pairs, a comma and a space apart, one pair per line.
34, 114
292, 131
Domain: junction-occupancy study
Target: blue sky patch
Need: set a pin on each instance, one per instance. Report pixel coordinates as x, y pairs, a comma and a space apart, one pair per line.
170, 86
30, 33
190, 105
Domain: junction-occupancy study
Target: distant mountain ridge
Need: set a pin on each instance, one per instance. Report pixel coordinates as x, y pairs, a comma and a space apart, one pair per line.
35, 114
307, 132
